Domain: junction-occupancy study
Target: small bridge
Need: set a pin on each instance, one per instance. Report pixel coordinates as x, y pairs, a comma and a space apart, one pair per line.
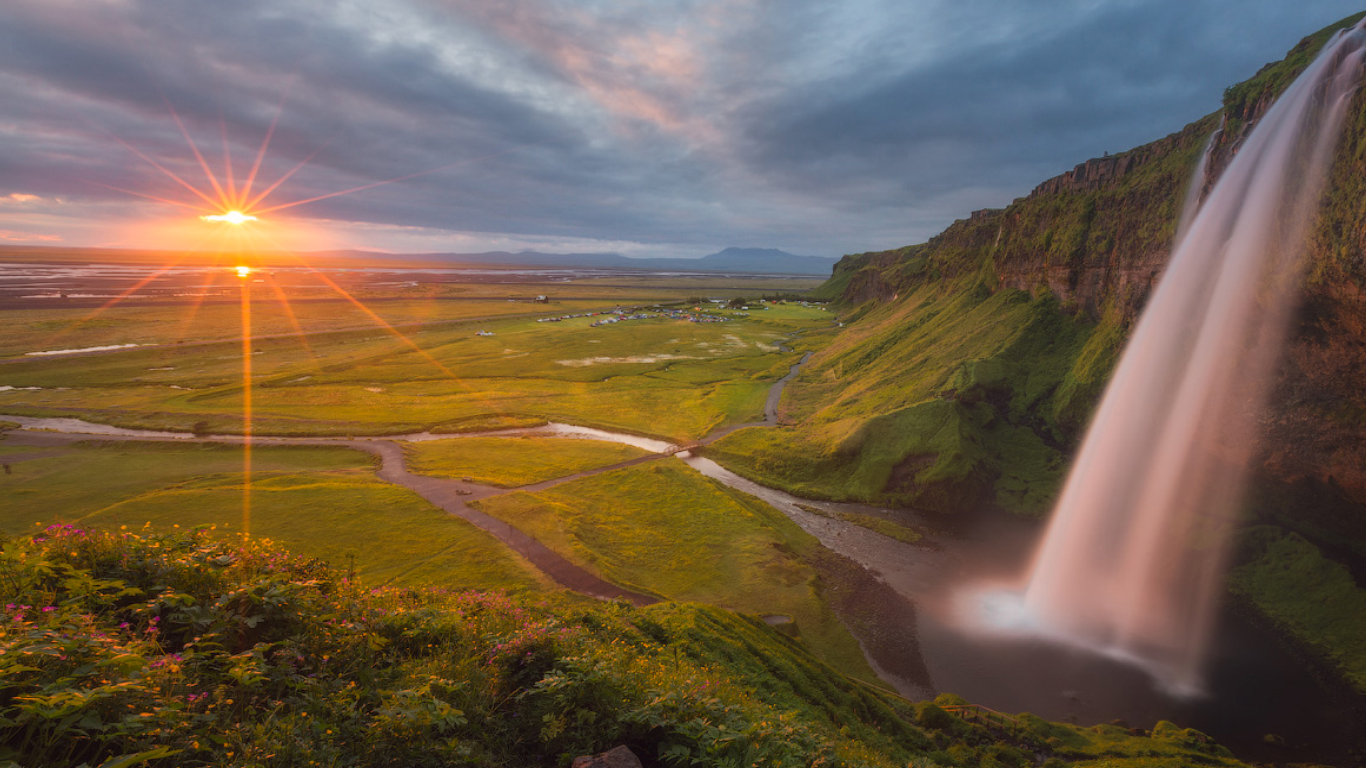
693, 446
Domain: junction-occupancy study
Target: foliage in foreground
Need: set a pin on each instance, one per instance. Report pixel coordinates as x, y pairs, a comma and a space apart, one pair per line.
179, 650
664, 529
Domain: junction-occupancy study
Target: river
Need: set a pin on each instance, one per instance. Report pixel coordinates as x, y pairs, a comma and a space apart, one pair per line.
1256, 687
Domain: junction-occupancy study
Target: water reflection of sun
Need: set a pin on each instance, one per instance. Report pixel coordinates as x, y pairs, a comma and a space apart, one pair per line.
237, 211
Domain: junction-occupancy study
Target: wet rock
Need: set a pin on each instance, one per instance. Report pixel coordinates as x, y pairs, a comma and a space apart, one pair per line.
616, 757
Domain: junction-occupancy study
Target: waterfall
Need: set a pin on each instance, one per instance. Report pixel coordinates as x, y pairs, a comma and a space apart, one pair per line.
1133, 558
1196, 188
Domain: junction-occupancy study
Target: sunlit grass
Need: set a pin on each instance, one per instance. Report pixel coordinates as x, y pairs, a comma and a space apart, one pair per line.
320, 502
661, 377
1308, 595
37, 329
510, 462
948, 399
664, 528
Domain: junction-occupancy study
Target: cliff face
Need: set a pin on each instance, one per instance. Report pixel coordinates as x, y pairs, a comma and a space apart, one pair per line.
1096, 236
1096, 239
1102, 172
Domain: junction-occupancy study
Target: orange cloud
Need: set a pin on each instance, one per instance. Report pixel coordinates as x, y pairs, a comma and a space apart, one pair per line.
656, 75
10, 235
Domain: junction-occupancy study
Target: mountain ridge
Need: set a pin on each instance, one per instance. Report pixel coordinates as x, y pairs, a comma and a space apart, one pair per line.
732, 259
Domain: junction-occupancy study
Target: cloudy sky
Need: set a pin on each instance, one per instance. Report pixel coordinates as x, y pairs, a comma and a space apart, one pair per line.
651, 128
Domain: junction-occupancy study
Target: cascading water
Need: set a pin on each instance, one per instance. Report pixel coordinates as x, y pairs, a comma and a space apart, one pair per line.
1133, 558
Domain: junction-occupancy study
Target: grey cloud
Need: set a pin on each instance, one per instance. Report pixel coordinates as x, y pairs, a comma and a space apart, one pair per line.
804, 125
1010, 115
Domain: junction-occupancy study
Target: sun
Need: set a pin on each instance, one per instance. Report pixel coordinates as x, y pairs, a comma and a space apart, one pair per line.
231, 217
243, 271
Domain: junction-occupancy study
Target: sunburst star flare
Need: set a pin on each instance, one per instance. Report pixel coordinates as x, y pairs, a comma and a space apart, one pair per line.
231, 217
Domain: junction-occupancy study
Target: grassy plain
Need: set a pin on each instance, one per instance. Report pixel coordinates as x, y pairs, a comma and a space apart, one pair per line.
508, 462
320, 502
45, 328
663, 377
665, 529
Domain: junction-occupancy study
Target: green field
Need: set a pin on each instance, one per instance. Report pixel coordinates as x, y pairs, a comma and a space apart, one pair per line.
662, 377
320, 502
508, 462
946, 400
46, 329
660, 528
1308, 595
663, 528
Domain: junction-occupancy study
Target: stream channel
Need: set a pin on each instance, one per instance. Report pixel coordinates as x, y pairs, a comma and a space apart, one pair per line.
1256, 686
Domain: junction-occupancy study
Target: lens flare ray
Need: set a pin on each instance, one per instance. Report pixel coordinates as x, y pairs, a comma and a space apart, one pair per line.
165, 200
208, 172
228, 176
230, 202
245, 191
371, 185
212, 203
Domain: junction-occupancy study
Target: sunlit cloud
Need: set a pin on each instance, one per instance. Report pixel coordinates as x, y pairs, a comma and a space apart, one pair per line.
17, 198
10, 235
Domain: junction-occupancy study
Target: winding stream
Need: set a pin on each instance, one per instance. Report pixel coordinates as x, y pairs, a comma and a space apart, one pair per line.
1256, 686
450, 495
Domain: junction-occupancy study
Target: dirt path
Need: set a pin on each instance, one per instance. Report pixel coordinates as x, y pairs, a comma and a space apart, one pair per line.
861, 597
450, 495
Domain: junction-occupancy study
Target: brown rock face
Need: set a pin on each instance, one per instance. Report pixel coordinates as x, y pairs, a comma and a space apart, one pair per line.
1316, 422
1100, 172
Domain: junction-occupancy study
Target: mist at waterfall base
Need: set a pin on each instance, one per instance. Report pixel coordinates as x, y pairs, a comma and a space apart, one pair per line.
1131, 566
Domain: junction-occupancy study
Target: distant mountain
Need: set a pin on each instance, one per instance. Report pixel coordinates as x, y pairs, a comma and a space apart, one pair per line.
735, 260
766, 260
762, 260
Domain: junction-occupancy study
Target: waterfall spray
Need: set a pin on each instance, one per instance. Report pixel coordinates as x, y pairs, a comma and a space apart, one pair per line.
1133, 558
